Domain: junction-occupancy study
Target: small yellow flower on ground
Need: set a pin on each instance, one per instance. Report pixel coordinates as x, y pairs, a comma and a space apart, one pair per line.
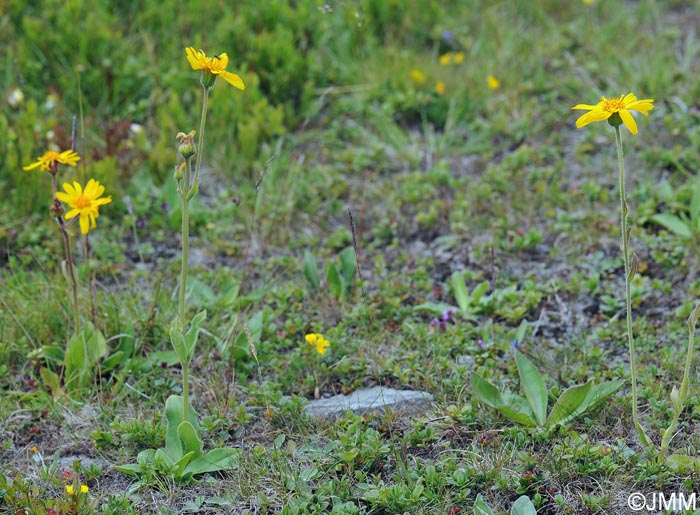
493, 82
51, 158
213, 65
451, 58
84, 202
440, 87
317, 341
418, 77
71, 491
615, 110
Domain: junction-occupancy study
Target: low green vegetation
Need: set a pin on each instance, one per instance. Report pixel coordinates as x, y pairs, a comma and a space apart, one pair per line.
330, 196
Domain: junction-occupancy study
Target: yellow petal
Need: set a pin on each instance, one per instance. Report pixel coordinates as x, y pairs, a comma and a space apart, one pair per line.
628, 120
91, 189
194, 58
592, 116
629, 98
69, 190
78, 188
445, 59
232, 79
643, 106
311, 338
69, 157
223, 60
72, 213
84, 223
62, 197
32, 166
584, 106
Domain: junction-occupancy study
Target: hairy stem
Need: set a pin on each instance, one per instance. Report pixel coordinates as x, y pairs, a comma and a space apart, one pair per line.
69, 257
91, 283
184, 197
628, 298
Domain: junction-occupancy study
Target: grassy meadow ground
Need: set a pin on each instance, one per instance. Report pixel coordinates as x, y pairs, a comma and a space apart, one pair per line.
347, 105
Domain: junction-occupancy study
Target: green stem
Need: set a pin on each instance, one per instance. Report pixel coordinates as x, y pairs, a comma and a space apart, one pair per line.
184, 197
91, 283
69, 258
200, 144
186, 392
643, 438
184, 192
71, 272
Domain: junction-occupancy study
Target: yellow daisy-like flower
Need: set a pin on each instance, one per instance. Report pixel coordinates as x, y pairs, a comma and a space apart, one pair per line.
50, 160
615, 110
85, 203
492, 82
317, 341
215, 66
440, 87
71, 491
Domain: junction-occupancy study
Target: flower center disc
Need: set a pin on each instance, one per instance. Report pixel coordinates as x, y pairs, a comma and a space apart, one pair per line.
82, 202
613, 105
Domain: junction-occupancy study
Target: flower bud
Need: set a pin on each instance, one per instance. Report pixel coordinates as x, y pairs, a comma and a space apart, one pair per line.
56, 208
187, 148
178, 171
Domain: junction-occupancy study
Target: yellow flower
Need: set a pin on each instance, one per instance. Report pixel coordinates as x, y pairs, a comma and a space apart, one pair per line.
71, 491
440, 87
418, 77
50, 160
451, 58
493, 82
214, 66
84, 202
317, 341
615, 110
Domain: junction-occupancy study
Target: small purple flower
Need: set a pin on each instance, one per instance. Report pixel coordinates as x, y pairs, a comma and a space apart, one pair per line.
480, 343
436, 322
165, 207
515, 344
447, 35
140, 223
447, 315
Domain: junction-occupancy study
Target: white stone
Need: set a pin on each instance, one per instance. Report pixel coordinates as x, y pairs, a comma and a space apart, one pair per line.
367, 400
